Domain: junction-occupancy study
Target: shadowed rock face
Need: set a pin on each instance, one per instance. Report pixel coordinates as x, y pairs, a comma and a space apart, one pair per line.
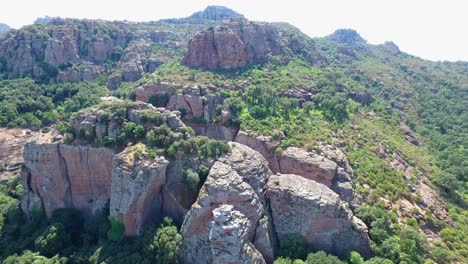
233, 44
313, 211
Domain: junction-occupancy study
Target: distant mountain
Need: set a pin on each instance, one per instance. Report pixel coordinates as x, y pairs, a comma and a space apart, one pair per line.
4, 28
216, 13
45, 19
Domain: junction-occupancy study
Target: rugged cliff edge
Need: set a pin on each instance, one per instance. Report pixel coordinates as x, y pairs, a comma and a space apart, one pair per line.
241, 213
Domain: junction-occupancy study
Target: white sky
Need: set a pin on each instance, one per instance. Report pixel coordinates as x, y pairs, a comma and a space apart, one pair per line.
431, 29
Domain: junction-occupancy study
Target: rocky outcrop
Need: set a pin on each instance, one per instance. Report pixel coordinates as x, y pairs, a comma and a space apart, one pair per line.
195, 102
80, 72
263, 144
41, 50
63, 176
317, 214
233, 44
328, 167
228, 238
101, 122
71, 50
137, 180
237, 180
140, 57
12, 142
145, 92
349, 42
363, 98
409, 136
215, 131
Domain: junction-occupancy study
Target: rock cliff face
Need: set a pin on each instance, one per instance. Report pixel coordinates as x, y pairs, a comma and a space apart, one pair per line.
63, 176
316, 213
203, 109
233, 44
241, 212
136, 197
263, 144
70, 50
329, 168
237, 180
228, 238
64, 41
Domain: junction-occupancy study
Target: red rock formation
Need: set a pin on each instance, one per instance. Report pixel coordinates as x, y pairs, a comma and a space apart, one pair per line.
233, 44
313, 211
263, 144
236, 180
61, 176
136, 197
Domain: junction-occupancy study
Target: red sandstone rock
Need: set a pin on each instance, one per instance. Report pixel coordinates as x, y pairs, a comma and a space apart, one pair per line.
314, 212
233, 44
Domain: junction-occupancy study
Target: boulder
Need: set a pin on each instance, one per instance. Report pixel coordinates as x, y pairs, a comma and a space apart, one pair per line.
327, 165
311, 210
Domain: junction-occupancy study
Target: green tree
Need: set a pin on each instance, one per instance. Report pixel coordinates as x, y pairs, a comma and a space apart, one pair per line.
355, 258
322, 258
293, 246
53, 240
166, 243
116, 230
191, 179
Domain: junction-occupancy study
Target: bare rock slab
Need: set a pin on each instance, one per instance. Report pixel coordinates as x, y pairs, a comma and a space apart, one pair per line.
317, 214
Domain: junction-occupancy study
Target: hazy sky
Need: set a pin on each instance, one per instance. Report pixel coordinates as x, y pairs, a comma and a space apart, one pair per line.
436, 30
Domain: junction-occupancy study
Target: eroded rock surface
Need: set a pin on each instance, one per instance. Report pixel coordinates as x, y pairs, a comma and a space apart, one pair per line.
229, 242
136, 197
233, 44
236, 180
263, 144
63, 176
12, 142
313, 211
329, 167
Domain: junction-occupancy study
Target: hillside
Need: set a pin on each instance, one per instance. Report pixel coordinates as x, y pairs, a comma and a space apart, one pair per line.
213, 139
